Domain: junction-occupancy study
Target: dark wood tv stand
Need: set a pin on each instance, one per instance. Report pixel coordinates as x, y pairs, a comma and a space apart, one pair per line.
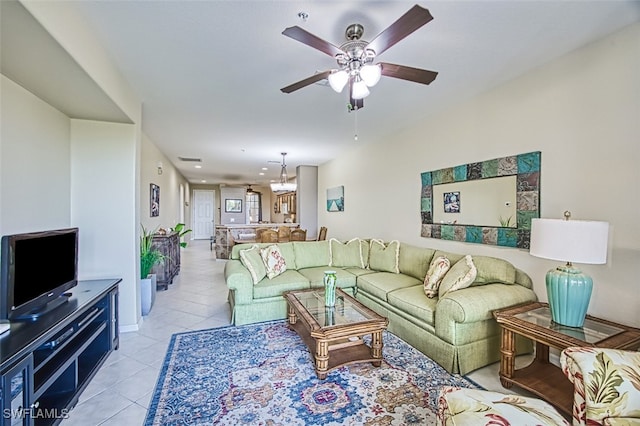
46, 363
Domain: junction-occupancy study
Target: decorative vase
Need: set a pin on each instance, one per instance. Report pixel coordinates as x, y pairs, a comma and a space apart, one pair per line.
330, 288
329, 316
569, 292
148, 293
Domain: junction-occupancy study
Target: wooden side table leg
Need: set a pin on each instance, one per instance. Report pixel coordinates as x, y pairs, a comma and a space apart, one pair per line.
376, 348
542, 353
507, 357
322, 358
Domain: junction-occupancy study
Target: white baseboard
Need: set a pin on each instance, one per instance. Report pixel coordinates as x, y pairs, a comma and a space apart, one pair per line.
130, 328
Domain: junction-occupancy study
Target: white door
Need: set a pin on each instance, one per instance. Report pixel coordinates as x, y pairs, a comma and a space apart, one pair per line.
203, 202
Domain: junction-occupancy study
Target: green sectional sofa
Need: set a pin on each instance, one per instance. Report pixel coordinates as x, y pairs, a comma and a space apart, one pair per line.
456, 329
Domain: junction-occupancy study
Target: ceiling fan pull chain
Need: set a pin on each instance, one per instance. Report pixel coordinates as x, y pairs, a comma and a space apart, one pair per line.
355, 136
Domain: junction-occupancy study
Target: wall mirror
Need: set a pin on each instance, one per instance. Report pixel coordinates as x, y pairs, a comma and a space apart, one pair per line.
489, 202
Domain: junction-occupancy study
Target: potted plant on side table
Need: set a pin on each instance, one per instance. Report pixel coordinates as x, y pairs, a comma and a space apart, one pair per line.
149, 257
179, 228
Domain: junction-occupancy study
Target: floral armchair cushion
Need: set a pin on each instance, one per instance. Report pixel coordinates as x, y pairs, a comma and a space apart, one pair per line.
474, 407
606, 383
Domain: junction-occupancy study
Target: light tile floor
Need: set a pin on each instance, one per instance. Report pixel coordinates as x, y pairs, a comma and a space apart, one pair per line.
121, 391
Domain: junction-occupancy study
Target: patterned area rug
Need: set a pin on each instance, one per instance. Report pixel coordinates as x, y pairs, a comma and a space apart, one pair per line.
263, 375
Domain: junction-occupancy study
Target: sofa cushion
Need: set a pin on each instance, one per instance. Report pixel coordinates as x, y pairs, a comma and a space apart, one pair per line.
346, 254
379, 284
273, 261
414, 261
344, 279
453, 257
310, 254
288, 280
252, 260
460, 276
359, 271
383, 257
413, 301
492, 270
437, 270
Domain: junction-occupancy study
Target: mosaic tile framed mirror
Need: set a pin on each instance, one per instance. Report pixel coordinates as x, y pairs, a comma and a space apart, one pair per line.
496, 200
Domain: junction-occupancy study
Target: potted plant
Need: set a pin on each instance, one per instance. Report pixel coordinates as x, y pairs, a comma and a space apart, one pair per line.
149, 257
179, 228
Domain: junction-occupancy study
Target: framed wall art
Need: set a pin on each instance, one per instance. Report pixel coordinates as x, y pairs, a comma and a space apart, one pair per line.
335, 199
233, 205
506, 221
154, 200
452, 202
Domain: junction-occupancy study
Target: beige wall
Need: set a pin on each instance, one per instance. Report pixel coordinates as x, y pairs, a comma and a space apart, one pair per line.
581, 111
169, 182
34, 155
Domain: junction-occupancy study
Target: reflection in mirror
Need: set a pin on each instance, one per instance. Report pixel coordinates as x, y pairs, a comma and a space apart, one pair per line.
448, 194
482, 202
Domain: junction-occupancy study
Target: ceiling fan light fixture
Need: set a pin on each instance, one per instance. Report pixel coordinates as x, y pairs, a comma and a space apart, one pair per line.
370, 74
338, 79
359, 89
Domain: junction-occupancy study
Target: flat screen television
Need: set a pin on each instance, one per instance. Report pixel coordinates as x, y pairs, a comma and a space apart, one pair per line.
35, 270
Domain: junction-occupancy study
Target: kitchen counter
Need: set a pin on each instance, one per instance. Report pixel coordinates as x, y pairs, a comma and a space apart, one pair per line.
228, 235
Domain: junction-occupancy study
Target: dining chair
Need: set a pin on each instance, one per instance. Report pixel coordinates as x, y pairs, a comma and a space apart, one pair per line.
298, 235
259, 232
322, 235
269, 236
284, 233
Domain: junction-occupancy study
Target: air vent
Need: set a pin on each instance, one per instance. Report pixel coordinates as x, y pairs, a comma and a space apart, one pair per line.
192, 160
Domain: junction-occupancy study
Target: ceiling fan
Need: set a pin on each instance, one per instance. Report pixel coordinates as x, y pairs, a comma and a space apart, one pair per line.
355, 57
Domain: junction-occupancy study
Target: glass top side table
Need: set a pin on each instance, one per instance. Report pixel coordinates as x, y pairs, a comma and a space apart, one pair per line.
546, 380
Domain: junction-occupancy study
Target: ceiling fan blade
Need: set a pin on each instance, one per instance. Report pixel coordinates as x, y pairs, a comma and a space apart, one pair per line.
408, 73
307, 81
409, 22
304, 36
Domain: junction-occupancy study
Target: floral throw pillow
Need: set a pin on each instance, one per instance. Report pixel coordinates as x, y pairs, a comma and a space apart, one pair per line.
437, 269
460, 276
273, 261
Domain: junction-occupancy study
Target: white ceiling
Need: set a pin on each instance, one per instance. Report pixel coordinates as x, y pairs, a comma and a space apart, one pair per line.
209, 72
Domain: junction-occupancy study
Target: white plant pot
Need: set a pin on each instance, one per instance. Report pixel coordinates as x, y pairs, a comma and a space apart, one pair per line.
148, 293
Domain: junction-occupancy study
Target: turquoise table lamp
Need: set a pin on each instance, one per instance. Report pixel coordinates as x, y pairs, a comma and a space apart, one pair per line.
579, 241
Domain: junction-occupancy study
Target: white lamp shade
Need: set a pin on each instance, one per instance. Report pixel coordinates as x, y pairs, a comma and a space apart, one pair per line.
359, 90
337, 80
370, 74
578, 241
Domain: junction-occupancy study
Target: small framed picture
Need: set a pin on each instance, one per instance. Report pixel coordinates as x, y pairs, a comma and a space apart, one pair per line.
452, 202
233, 205
154, 200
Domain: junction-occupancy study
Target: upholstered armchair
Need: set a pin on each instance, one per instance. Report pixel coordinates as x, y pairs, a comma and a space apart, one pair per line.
606, 385
606, 392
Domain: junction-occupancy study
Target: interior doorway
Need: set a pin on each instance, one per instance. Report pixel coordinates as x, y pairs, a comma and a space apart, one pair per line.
203, 214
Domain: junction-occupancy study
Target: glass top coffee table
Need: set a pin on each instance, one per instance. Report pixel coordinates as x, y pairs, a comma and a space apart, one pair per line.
533, 321
334, 335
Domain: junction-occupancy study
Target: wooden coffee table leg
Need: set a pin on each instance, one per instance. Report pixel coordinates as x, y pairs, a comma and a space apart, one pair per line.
507, 357
322, 358
292, 315
376, 348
